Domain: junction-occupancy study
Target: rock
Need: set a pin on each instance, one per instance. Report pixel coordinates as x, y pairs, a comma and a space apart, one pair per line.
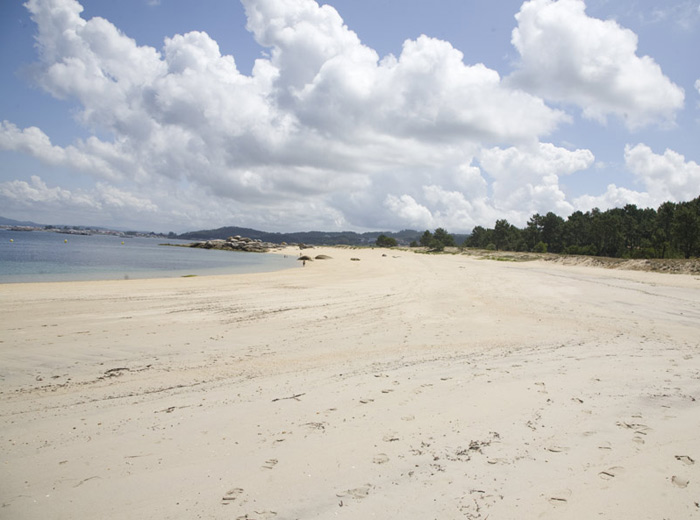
236, 243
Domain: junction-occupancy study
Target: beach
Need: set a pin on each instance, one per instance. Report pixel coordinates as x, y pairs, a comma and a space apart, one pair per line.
399, 385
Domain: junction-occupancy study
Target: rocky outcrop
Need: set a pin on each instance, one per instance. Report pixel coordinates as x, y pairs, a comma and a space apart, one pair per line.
237, 243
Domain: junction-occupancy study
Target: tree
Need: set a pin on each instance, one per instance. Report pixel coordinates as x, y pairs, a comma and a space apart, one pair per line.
385, 241
686, 229
552, 232
628, 232
532, 234
479, 238
540, 247
576, 234
661, 237
443, 238
500, 234
607, 233
505, 235
437, 241
426, 238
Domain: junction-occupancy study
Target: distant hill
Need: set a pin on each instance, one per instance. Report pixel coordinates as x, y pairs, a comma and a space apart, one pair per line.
9, 222
327, 238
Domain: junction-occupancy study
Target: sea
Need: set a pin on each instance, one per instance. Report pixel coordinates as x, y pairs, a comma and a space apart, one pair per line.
44, 256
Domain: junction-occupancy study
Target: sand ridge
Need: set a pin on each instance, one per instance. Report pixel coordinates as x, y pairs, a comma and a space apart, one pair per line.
400, 385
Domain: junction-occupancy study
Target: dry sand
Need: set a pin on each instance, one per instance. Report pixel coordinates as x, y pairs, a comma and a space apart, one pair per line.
400, 386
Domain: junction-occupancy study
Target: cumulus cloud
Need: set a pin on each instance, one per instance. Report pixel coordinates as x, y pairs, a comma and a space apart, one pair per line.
92, 156
324, 133
18, 194
526, 180
323, 118
408, 210
667, 177
614, 197
567, 56
36, 190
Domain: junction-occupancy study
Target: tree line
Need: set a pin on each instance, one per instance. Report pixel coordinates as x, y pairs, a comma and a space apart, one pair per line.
671, 231
436, 241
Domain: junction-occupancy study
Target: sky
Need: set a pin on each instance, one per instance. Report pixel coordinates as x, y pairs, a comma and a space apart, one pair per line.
291, 115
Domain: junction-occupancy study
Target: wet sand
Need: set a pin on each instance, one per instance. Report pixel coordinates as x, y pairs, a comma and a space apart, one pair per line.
397, 386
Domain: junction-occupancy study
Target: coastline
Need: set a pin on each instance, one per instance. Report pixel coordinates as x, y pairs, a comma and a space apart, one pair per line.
44, 257
401, 385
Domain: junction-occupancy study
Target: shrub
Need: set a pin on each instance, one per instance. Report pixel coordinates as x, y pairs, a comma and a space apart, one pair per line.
540, 247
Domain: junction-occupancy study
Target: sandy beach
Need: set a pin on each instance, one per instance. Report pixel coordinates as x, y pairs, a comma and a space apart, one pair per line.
401, 385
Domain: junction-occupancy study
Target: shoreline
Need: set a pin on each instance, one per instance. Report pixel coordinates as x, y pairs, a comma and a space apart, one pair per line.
401, 385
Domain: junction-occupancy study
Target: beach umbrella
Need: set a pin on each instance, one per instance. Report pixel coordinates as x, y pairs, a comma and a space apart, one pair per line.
304, 257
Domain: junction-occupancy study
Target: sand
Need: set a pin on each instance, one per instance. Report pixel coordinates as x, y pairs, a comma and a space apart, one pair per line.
397, 386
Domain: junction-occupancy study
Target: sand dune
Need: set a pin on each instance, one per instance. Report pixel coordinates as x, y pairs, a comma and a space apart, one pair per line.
397, 386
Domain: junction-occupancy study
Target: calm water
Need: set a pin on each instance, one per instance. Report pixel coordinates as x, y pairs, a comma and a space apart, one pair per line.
37, 256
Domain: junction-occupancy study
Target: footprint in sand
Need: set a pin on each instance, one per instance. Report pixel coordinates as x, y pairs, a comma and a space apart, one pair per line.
258, 515
680, 482
611, 473
269, 464
315, 426
557, 449
560, 497
381, 458
232, 495
358, 492
636, 427
685, 460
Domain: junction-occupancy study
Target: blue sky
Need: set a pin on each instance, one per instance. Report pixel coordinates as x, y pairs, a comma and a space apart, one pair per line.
350, 114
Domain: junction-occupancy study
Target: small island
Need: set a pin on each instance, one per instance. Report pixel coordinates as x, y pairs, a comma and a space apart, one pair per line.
235, 243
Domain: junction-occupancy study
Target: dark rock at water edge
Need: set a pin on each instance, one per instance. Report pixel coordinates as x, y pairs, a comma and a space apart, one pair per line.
237, 243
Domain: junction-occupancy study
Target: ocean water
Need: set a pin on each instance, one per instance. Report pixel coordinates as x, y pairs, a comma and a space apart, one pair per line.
38, 256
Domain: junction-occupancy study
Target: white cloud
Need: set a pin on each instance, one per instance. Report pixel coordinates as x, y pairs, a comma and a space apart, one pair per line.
614, 197
569, 57
667, 177
36, 191
526, 180
324, 118
408, 210
104, 198
324, 132
91, 156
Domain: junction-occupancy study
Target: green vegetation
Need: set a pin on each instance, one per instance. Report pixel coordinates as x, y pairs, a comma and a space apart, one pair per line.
671, 231
385, 241
327, 238
438, 240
